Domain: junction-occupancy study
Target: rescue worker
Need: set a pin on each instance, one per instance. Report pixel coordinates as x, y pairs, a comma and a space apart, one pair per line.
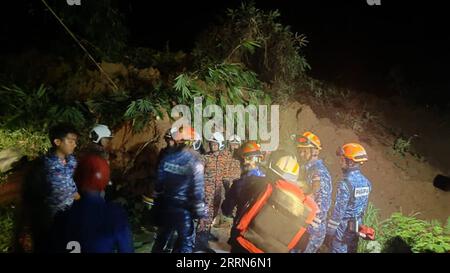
351, 201
179, 192
233, 170
97, 225
215, 168
252, 155
170, 143
153, 214
318, 179
245, 191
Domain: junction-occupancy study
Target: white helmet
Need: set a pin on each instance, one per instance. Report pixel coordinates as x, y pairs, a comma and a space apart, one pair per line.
218, 138
235, 139
98, 132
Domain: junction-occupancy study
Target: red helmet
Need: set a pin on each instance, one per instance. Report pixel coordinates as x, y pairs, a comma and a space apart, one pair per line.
92, 173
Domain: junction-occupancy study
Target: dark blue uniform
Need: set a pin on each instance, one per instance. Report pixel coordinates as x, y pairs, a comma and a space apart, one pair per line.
319, 179
98, 226
180, 198
351, 201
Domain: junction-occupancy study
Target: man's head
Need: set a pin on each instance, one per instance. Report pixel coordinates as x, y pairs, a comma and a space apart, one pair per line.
234, 142
252, 155
351, 155
308, 147
186, 137
92, 173
216, 142
63, 138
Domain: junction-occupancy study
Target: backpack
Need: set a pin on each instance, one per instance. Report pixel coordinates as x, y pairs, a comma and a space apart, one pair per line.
277, 219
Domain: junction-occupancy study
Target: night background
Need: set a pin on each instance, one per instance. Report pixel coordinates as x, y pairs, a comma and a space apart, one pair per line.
372, 74
350, 42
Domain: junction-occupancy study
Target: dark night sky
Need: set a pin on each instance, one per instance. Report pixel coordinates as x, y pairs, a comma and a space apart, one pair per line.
350, 42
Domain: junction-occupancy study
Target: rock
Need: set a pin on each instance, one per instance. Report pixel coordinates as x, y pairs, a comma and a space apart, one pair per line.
442, 182
8, 158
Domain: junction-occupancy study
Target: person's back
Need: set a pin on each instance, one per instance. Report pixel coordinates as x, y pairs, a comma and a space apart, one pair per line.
242, 193
179, 193
175, 177
352, 198
272, 211
98, 226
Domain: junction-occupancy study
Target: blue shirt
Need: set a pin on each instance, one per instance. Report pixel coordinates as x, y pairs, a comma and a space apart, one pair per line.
317, 173
60, 178
233, 195
98, 226
351, 199
181, 180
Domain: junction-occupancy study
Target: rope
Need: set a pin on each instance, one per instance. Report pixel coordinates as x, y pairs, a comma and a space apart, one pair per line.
115, 87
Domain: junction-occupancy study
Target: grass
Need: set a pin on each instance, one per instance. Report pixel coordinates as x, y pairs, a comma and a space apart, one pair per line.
419, 235
6, 228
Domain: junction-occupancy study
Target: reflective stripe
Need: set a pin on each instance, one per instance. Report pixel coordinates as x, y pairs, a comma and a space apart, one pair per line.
334, 223
332, 227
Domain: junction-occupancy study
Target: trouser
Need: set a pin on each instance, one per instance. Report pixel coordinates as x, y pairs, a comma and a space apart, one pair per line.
316, 237
213, 194
179, 220
346, 239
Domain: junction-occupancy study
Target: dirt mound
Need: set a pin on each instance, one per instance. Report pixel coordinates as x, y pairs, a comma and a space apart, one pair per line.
399, 183
134, 155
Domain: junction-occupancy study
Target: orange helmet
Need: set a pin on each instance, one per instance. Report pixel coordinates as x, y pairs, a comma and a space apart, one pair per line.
188, 135
354, 152
251, 148
308, 140
184, 133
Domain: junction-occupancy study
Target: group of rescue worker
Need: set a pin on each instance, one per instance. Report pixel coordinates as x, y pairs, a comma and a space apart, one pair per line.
193, 177
199, 183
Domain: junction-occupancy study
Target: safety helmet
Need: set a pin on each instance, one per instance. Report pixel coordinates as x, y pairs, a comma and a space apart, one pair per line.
251, 148
354, 152
187, 135
235, 139
98, 132
287, 167
218, 138
308, 140
92, 173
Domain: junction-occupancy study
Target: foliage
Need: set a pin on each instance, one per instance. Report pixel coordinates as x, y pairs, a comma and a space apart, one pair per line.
166, 61
97, 24
37, 109
109, 108
371, 219
421, 235
30, 143
221, 84
6, 228
256, 39
402, 146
